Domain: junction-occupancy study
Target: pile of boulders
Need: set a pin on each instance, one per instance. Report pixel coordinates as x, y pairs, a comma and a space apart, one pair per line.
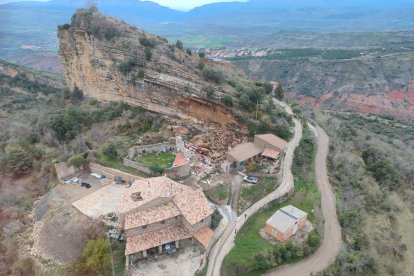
216, 142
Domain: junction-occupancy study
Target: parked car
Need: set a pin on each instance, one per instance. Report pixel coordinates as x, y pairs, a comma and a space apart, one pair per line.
86, 185
97, 175
251, 179
75, 180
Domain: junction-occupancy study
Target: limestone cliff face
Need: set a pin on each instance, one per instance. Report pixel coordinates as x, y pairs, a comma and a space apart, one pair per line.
112, 61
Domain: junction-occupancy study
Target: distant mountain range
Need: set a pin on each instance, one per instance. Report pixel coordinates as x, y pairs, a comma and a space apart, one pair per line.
28, 29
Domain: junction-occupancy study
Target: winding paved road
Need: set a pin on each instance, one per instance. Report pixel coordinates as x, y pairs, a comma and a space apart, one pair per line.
226, 242
332, 241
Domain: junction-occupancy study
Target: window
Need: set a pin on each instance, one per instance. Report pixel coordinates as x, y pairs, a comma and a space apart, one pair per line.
163, 222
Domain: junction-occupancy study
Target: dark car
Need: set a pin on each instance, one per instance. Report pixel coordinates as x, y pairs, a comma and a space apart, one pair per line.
86, 185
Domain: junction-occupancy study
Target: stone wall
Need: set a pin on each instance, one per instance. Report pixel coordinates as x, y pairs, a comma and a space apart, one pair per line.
137, 166
160, 147
112, 173
154, 148
178, 171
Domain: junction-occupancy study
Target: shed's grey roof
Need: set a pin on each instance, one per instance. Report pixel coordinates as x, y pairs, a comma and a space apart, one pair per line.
285, 218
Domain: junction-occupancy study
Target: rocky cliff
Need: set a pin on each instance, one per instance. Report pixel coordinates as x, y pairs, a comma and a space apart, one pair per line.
112, 61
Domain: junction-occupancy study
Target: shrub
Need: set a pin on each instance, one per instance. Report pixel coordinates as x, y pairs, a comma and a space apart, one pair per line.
77, 161
213, 75
141, 73
64, 27
110, 150
148, 54
76, 96
201, 64
188, 51
126, 67
215, 219
147, 42
227, 100
209, 90
279, 93
251, 167
179, 44
95, 258
314, 240
156, 170
17, 160
202, 55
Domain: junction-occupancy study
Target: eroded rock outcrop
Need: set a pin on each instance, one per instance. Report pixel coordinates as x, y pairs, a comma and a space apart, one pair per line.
112, 61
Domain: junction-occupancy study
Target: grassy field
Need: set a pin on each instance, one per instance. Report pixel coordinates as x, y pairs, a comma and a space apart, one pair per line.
251, 194
248, 242
161, 160
220, 192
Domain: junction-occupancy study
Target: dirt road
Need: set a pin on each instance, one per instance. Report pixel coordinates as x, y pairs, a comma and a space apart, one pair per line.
332, 241
236, 183
226, 242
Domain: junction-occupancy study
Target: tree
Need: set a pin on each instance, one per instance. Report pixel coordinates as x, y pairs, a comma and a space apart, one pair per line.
201, 64
95, 258
188, 51
148, 54
202, 55
179, 44
267, 88
110, 150
77, 161
279, 93
245, 103
17, 160
227, 100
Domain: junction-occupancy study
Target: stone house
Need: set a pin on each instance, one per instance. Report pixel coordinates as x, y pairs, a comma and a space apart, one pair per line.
160, 215
285, 223
157, 215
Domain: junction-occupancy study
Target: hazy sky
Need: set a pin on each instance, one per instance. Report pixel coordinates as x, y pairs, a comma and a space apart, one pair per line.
175, 4
189, 4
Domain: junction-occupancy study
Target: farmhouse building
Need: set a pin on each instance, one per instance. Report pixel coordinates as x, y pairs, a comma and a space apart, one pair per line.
265, 146
285, 223
158, 215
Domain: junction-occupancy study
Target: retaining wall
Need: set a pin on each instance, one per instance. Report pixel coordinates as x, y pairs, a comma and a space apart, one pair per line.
112, 173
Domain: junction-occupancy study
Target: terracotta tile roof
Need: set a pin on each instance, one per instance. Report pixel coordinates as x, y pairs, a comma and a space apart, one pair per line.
151, 239
150, 189
204, 235
151, 215
193, 205
179, 160
270, 153
245, 151
273, 140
